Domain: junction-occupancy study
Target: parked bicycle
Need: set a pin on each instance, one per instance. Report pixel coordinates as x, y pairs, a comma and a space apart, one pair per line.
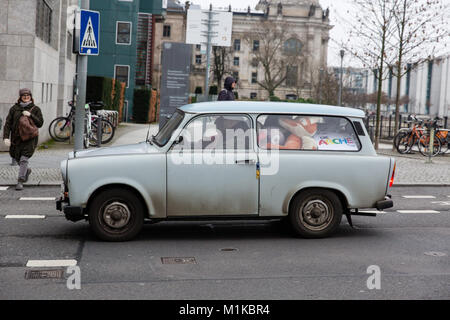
61, 128
418, 135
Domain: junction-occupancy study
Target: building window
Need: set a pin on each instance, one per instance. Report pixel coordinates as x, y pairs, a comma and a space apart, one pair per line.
236, 75
255, 62
255, 45
291, 76
429, 81
44, 21
123, 32
254, 77
69, 46
292, 47
198, 47
122, 73
253, 95
166, 31
236, 61
198, 59
237, 45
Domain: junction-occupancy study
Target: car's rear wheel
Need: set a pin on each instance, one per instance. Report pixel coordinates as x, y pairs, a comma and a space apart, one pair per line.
315, 213
116, 215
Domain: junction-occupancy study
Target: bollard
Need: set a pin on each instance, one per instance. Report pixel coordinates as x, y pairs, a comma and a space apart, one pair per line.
430, 147
99, 131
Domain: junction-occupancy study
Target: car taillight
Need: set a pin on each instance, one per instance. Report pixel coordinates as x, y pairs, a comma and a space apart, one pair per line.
391, 182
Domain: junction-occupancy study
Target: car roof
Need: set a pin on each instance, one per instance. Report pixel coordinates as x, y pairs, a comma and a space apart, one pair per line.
270, 107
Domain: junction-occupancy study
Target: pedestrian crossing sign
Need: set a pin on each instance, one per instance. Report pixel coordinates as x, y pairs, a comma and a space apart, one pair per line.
89, 32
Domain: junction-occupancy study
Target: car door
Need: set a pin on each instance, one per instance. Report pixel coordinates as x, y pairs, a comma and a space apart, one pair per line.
213, 170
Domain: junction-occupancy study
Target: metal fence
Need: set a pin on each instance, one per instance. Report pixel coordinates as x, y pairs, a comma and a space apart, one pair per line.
112, 116
387, 125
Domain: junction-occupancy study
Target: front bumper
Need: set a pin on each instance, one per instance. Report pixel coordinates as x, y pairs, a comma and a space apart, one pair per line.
71, 213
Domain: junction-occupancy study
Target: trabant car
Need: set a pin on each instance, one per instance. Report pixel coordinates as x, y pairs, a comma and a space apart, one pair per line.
306, 164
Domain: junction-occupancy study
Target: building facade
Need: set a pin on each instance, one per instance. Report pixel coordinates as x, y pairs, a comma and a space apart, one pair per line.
426, 86
36, 52
308, 28
126, 43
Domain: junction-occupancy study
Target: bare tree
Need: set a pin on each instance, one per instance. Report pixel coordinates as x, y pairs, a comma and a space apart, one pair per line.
221, 63
370, 40
274, 54
420, 27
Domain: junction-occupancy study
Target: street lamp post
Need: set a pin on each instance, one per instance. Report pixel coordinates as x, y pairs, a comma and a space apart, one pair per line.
340, 80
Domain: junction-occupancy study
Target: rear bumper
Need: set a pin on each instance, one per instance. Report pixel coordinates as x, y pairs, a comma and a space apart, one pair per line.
384, 204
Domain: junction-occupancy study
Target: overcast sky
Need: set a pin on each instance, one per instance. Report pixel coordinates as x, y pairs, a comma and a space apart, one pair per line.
338, 8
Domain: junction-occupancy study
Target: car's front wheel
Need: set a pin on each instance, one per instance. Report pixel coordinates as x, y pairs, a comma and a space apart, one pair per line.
116, 215
315, 213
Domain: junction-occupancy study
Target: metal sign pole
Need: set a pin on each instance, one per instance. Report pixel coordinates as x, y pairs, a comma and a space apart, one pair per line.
208, 51
81, 92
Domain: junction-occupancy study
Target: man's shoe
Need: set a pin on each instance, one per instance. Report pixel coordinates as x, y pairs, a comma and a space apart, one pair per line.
19, 186
27, 175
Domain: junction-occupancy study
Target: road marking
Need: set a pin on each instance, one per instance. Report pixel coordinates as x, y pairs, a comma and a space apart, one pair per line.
442, 203
374, 211
419, 197
37, 198
3, 188
51, 263
417, 211
24, 216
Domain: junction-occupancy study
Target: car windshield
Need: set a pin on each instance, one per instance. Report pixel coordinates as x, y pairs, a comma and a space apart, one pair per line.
170, 126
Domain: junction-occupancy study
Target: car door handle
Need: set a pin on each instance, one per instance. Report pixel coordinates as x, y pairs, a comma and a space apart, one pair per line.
246, 161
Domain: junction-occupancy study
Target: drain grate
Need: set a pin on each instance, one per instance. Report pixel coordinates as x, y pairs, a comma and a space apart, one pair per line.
44, 274
178, 260
228, 249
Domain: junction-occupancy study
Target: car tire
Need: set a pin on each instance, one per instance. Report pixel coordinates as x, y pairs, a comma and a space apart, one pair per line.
116, 215
315, 213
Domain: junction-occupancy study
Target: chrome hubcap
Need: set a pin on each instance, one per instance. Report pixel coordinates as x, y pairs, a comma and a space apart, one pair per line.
316, 215
116, 215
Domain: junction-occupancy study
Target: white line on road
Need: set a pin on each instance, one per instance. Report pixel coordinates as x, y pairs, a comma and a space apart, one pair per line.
37, 198
51, 263
419, 197
3, 188
374, 211
417, 211
24, 216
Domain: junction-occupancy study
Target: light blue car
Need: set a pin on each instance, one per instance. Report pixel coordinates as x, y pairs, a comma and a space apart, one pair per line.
308, 164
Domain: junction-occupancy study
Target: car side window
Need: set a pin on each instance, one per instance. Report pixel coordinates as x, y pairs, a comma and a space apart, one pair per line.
218, 132
305, 132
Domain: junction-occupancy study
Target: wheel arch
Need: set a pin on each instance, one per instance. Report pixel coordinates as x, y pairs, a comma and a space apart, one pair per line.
342, 198
118, 186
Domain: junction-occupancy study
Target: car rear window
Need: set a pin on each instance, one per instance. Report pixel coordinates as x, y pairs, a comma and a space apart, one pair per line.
306, 132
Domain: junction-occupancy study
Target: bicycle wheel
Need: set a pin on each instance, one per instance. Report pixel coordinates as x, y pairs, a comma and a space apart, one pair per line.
403, 142
424, 146
107, 132
444, 146
59, 129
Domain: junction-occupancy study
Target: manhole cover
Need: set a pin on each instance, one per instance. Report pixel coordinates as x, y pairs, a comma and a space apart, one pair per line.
228, 249
435, 254
44, 274
178, 260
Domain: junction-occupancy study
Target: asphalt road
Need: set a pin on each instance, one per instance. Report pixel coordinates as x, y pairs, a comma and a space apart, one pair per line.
236, 260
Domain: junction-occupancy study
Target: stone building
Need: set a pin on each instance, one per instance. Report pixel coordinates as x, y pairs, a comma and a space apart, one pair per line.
172, 28
308, 27
36, 53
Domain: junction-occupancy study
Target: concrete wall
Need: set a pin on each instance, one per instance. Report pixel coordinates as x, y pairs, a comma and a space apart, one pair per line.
27, 61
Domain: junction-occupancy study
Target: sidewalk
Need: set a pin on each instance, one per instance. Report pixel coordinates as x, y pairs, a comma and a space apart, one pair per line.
412, 169
45, 163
